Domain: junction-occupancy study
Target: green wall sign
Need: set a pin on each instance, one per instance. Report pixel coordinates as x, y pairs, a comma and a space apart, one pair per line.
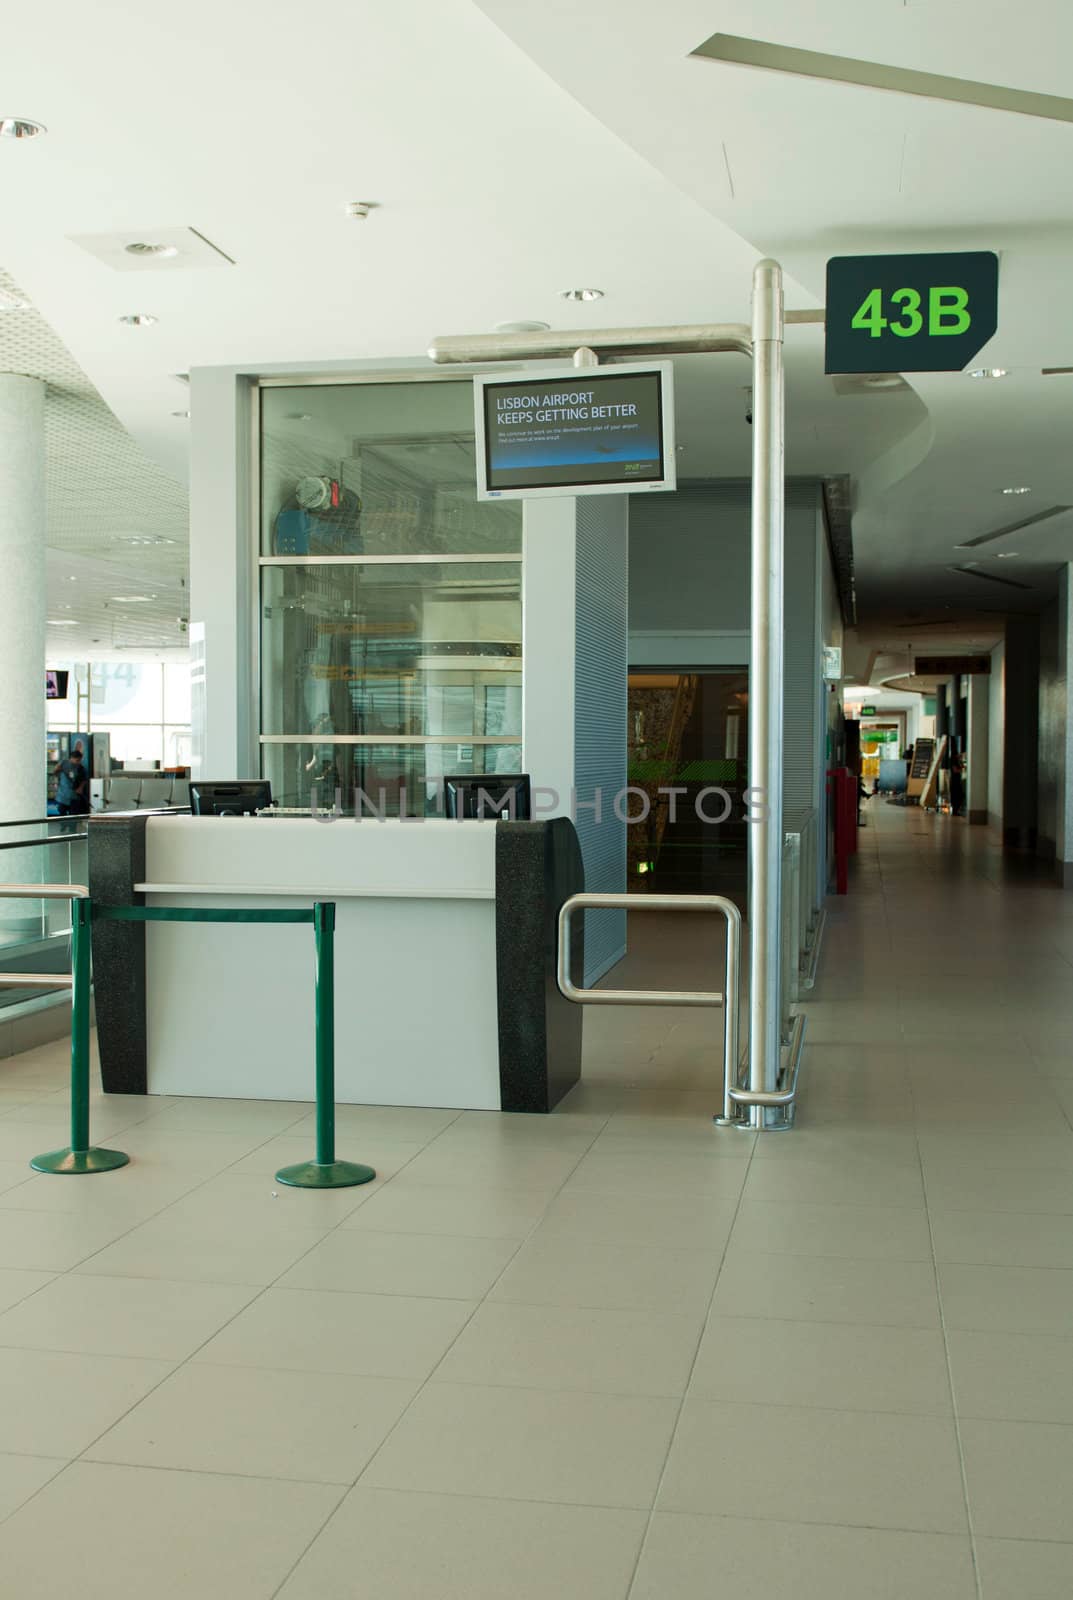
924, 313
868, 711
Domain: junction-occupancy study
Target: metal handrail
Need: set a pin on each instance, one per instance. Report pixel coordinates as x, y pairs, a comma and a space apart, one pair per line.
735, 1098
35, 844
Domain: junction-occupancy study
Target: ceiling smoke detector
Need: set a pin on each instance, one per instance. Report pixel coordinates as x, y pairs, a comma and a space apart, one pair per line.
20, 128
160, 251
358, 210
138, 319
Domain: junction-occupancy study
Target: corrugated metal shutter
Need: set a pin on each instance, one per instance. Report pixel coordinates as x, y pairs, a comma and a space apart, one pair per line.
600, 708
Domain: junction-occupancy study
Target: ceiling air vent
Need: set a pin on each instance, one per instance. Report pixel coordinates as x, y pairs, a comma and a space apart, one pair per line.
1013, 527
728, 48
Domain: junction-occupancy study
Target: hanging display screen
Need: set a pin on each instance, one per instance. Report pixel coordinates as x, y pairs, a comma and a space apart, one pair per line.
581, 430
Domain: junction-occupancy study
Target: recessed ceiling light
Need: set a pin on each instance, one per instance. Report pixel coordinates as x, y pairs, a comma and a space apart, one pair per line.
133, 599
358, 210
1006, 555
988, 372
138, 319
62, 622
180, 413
581, 294
1018, 489
71, 578
522, 327
12, 302
20, 128
143, 248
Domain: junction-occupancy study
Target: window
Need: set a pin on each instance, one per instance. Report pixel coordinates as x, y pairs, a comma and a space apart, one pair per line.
391, 626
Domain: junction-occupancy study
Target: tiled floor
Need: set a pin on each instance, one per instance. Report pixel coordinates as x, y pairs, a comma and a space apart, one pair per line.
610, 1353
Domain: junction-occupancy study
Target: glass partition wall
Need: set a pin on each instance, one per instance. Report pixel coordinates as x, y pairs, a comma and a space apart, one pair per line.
390, 600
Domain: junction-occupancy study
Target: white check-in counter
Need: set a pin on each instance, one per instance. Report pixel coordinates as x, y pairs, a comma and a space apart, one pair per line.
444, 959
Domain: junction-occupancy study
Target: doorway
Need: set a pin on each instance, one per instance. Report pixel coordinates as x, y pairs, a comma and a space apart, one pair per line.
688, 730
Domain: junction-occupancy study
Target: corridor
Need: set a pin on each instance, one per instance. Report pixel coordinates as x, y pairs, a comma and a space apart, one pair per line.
609, 1353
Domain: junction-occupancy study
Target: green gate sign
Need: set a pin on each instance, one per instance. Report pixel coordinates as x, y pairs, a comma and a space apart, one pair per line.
922, 313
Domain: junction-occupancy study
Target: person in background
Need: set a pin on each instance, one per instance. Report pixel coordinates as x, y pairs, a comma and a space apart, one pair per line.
72, 788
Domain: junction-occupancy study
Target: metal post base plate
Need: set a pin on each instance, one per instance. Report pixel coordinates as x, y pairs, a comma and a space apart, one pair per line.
79, 1161
330, 1175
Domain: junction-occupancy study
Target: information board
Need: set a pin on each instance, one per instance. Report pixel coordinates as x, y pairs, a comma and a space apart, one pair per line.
580, 430
918, 313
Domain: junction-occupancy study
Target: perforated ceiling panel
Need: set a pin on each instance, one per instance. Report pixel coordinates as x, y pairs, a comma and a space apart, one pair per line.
117, 525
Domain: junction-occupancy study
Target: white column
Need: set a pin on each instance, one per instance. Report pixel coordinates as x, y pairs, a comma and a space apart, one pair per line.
22, 597
978, 755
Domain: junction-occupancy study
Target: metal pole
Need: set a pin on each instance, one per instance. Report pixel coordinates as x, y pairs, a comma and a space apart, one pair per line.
80, 974
765, 683
325, 1172
324, 941
80, 1157
731, 997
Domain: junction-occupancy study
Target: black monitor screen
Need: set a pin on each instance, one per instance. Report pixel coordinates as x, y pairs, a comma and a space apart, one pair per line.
55, 684
487, 796
242, 797
586, 431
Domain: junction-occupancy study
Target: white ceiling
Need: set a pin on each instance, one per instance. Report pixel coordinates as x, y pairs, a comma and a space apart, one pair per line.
517, 149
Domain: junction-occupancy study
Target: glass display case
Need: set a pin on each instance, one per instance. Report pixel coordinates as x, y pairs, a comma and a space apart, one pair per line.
390, 604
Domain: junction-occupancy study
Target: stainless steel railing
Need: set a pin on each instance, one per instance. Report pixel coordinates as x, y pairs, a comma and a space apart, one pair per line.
743, 1107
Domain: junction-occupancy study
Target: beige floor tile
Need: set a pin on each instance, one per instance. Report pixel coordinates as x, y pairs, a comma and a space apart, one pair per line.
629, 1172
514, 1166
659, 1217
878, 1233
441, 1265
255, 1201
367, 1335
853, 1367
54, 1241
1015, 1569
391, 1124
1018, 1476
130, 1194
1016, 1376
849, 1182
121, 1316
316, 1427
1005, 1239
199, 1252
13, 1175
605, 1273
793, 1559
528, 1444
858, 1468
1048, 1147
54, 1400
104, 1532
453, 1547
895, 1294
429, 1208
567, 1347
20, 1479
266, 1117
201, 1153
955, 1187
877, 1147
1007, 1299
17, 1284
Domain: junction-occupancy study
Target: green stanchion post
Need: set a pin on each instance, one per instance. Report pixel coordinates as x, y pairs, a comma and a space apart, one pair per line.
325, 1172
80, 1157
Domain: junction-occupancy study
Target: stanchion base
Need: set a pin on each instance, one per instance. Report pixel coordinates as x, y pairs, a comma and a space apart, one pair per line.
79, 1161
330, 1175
